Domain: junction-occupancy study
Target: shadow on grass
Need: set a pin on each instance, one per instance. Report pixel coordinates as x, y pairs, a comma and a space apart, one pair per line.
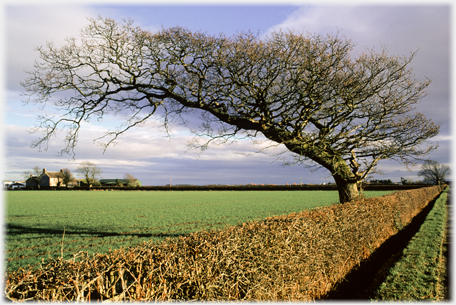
17, 230
362, 282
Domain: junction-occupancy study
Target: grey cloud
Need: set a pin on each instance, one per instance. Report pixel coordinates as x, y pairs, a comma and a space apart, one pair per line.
402, 29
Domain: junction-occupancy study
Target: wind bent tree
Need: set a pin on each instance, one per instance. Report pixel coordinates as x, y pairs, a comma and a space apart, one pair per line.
303, 91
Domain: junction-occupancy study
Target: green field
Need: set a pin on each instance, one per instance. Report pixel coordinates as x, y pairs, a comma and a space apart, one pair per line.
99, 221
418, 274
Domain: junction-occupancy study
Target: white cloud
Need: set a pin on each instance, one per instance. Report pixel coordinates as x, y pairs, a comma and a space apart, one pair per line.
325, 19
30, 26
439, 138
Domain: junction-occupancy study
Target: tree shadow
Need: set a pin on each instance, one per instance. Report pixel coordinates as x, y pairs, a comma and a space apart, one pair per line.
17, 230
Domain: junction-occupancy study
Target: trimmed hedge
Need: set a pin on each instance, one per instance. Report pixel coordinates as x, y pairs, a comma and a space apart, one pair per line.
300, 256
416, 275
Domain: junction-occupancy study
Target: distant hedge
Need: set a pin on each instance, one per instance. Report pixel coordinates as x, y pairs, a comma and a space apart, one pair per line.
246, 187
299, 257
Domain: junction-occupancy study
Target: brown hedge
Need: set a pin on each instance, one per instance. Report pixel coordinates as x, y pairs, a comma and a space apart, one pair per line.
300, 256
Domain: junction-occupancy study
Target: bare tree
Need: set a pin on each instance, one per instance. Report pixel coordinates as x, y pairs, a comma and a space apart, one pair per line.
131, 180
34, 175
434, 172
66, 175
90, 171
305, 92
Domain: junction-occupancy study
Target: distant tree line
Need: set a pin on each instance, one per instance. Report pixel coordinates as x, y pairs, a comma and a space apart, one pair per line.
378, 181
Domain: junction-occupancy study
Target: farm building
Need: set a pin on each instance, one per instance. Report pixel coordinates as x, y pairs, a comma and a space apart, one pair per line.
118, 182
45, 179
16, 185
33, 181
50, 178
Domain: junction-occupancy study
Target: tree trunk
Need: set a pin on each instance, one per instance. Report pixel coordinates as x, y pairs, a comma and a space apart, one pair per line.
348, 190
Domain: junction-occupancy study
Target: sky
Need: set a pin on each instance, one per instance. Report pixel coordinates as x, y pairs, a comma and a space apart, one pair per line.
155, 159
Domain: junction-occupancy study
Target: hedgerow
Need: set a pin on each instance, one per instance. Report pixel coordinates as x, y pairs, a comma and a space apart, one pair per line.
300, 256
416, 275
98, 221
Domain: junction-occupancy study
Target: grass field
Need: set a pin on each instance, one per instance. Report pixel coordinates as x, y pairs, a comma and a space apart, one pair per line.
38, 221
417, 275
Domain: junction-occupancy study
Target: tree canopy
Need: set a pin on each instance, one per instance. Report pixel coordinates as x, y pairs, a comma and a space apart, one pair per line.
90, 172
306, 92
66, 175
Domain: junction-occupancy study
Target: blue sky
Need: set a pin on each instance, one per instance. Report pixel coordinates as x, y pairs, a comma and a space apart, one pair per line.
155, 159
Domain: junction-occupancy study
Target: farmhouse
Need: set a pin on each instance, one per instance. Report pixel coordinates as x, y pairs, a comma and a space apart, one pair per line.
45, 179
51, 178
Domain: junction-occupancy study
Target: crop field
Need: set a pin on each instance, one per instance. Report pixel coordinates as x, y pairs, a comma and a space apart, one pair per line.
42, 224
